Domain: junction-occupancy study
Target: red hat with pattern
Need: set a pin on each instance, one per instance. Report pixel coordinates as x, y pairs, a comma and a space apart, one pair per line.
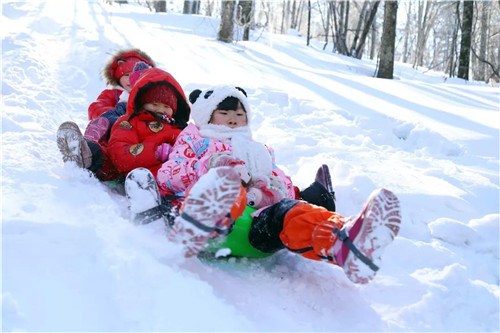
159, 93
123, 62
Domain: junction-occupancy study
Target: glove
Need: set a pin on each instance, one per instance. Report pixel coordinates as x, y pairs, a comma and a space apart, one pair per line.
121, 108
225, 159
112, 115
162, 152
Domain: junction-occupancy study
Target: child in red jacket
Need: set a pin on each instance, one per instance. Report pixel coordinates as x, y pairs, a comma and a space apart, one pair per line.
90, 149
115, 72
157, 111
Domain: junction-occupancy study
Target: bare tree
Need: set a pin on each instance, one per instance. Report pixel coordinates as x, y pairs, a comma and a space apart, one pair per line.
407, 34
386, 64
325, 21
427, 13
161, 6
361, 20
452, 56
465, 43
373, 35
368, 24
187, 7
480, 73
308, 21
340, 27
244, 11
209, 7
196, 7
225, 33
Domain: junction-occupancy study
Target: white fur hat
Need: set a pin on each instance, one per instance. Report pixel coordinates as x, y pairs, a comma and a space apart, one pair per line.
203, 103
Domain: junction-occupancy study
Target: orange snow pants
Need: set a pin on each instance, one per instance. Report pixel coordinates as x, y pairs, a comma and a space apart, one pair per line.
300, 227
308, 231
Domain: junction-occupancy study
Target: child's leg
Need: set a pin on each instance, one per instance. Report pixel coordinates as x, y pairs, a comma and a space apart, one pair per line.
97, 129
320, 192
102, 166
354, 244
208, 209
73, 146
298, 226
85, 153
145, 201
365, 236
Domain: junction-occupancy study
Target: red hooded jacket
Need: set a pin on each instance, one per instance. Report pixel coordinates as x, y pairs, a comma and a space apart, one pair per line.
136, 135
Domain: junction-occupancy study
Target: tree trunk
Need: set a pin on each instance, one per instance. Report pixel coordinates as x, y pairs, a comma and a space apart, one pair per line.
245, 10
187, 7
283, 14
451, 62
196, 7
465, 43
373, 33
481, 70
407, 33
368, 25
357, 32
225, 33
209, 8
308, 21
161, 6
341, 30
386, 65
327, 24
294, 15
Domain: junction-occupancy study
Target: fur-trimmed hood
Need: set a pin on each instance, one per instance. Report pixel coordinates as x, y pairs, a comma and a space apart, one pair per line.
112, 71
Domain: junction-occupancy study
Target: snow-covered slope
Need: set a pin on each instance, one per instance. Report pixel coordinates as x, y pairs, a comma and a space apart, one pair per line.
72, 261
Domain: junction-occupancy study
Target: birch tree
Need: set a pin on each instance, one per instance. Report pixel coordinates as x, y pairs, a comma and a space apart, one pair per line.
225, 33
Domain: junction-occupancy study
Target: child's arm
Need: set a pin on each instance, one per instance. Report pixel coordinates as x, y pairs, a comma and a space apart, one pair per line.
187, 162
106, 101
286, 180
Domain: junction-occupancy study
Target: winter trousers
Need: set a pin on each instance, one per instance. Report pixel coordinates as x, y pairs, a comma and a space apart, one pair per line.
300, 227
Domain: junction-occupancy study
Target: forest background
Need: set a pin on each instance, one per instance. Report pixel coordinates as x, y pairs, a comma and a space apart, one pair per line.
459, 38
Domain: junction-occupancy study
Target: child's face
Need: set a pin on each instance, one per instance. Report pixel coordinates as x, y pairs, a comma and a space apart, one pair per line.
125, 82
230, 118
158, 108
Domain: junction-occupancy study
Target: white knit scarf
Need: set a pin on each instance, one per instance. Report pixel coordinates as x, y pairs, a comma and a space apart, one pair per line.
255, 155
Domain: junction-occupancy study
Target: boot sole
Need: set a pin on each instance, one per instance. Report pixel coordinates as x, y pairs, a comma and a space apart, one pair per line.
137, 182
71, 144
382, 220
208, 202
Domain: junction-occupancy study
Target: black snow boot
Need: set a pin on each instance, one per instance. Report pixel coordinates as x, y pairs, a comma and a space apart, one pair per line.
320, 192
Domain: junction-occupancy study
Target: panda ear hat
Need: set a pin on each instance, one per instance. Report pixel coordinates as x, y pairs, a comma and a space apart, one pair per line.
204, 103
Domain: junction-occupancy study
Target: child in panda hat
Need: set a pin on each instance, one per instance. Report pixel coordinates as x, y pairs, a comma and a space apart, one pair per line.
221, 136
214, 162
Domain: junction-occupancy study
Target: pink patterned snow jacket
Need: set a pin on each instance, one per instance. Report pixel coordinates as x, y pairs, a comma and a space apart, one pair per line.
189, 158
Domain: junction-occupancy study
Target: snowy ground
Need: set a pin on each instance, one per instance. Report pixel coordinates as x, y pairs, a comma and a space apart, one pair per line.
72, 261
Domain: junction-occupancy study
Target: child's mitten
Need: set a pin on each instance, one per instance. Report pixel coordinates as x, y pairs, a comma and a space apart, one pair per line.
163, 151
264, 191
225, 159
